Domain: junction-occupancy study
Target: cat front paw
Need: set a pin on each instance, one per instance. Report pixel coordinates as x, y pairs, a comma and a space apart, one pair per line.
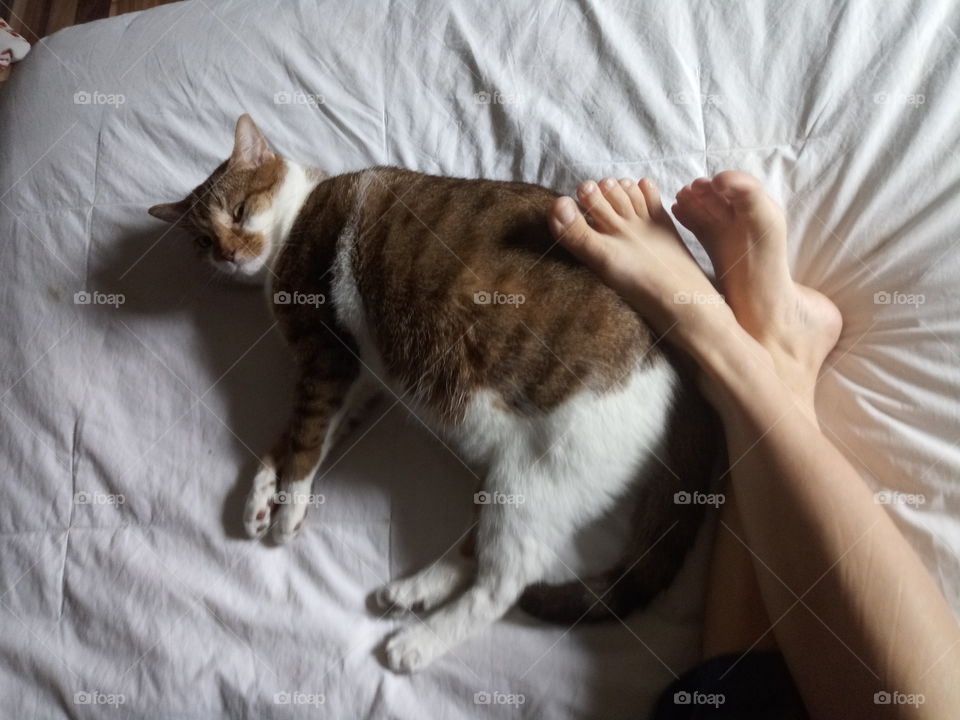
427, 589
413, 648
289, 512
260, 501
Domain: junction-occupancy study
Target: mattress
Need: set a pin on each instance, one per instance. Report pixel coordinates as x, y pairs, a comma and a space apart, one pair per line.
137, 390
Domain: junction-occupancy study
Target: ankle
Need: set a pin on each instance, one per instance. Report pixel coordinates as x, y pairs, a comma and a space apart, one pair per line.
729, 362
747, 382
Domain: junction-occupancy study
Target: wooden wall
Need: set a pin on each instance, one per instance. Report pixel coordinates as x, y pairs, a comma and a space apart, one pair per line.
35, 19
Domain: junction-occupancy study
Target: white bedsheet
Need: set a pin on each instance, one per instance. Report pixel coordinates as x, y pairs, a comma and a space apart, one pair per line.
849, 113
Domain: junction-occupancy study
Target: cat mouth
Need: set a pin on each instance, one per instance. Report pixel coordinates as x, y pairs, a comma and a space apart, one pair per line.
240, 268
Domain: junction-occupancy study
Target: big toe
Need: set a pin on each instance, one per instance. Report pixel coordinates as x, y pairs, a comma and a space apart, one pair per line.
571, 230
742, 190
749, 200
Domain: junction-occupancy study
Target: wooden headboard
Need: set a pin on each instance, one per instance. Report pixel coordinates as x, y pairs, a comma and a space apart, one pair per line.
35, 19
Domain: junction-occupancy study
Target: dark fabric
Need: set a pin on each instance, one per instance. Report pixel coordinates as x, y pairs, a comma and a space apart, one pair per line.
755, 686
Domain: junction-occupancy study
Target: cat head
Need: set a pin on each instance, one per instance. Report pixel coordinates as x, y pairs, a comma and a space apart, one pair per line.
233, 215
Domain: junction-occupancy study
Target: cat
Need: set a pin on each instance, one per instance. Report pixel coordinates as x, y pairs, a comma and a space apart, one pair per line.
451, 294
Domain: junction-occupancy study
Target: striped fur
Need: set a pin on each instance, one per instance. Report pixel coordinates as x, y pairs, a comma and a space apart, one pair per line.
451, 294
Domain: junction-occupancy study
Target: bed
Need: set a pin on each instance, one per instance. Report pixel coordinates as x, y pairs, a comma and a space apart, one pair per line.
137, 392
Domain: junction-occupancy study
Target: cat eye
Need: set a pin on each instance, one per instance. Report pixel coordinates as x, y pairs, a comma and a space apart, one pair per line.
238, 212
204, 241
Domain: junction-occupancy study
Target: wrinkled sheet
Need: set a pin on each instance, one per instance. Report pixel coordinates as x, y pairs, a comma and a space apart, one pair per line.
131, 424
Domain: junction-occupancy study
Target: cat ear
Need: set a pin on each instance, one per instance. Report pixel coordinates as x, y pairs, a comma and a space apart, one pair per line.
250, 148
171, 212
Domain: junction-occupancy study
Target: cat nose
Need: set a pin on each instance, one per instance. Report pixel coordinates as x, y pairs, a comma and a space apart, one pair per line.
228, 254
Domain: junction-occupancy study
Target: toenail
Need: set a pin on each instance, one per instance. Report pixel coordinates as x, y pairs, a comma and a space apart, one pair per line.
608, 183
566, 211
625, 182
588, 187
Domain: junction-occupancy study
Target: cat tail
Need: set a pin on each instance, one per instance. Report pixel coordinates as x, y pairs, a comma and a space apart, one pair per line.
664, 527
591, 600
628, 586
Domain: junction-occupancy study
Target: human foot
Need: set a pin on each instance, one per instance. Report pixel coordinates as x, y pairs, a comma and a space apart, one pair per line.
633, 245
745, 234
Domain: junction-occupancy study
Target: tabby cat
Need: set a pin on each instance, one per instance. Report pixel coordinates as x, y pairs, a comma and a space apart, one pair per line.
451, 294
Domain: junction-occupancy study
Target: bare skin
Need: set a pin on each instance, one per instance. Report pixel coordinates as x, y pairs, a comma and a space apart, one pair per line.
745, 234
802, 541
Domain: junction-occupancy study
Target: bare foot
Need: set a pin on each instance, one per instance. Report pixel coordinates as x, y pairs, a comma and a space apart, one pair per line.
745, 234
633, 245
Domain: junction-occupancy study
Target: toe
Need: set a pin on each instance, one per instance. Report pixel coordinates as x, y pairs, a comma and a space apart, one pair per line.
741, 189
713, 202
651, 197
636, 197
750, 201
604, 215
617, 197
570, 228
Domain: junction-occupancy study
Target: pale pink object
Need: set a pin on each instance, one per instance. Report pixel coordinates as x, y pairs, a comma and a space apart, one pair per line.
13, 46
